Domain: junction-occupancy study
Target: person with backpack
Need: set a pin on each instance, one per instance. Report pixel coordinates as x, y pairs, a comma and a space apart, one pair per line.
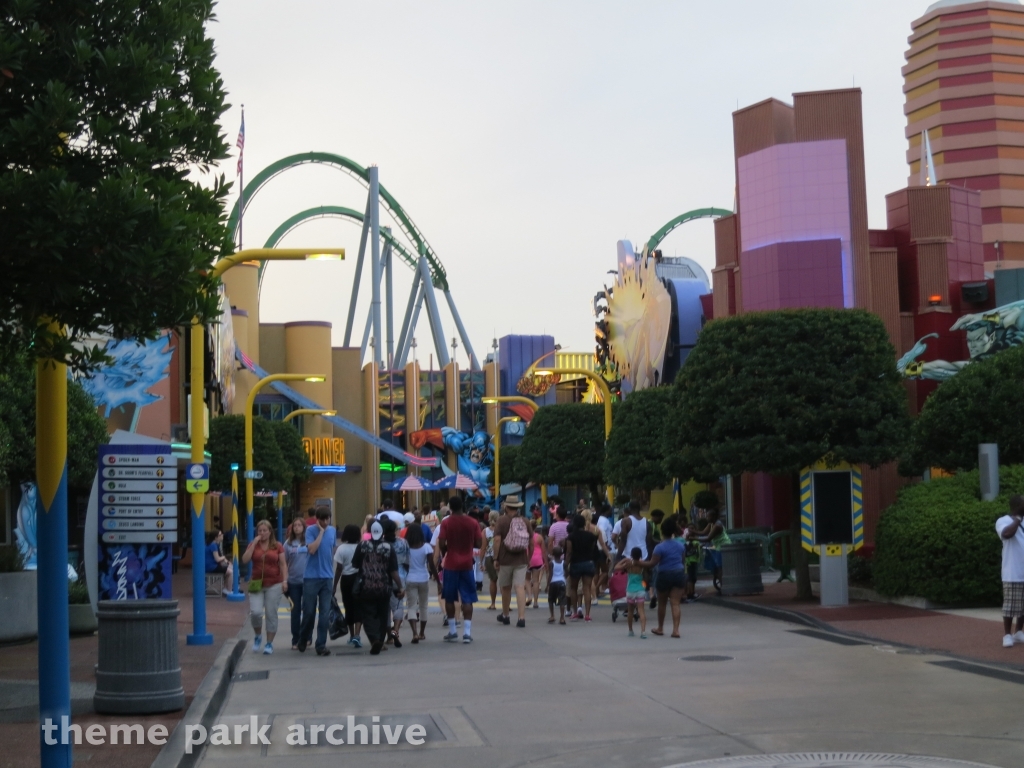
513, 549
457, 537
377, 564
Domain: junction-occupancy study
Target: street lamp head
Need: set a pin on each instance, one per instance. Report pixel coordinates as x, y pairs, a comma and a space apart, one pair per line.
330, 413
544, 372
326, 256
489, 400
315, 378
234, 467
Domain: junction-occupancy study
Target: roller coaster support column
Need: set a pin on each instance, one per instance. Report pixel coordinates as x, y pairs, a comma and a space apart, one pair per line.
404, 335
389, 298
369, 316
378, 337
359, 271
410, 339
440, 343
474, 364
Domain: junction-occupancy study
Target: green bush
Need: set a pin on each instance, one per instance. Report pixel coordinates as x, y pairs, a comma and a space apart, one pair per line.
938, 541
78, 593
861, 570
706, 500
11, 560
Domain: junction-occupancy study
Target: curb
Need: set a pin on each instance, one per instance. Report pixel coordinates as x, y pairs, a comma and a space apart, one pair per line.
796, 617
204, 707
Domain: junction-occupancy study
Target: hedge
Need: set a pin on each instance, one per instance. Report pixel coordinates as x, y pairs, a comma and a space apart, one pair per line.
938, 541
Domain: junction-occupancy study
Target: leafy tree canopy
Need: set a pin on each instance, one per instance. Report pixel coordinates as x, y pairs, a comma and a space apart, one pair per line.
776, 391
273, 453
106, 107
635, 455
86, 429
511, 465
564, 445
981, 404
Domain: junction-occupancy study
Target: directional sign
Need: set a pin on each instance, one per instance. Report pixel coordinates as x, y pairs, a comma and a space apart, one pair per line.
138, 498
139, 537
253, 474
138, 460
151, 486
140, 524
138, 473
146, 511
197, 478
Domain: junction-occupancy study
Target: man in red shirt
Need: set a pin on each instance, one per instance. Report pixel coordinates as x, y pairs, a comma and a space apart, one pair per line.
458, 536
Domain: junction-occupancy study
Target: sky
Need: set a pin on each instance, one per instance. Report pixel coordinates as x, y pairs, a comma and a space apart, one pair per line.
525, 138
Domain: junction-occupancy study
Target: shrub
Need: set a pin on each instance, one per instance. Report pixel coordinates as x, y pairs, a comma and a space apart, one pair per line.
861, 570
78, 593
706, 500
938, 541
11, 560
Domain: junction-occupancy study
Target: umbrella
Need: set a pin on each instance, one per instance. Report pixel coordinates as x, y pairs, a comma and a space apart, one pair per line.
455, 480
409, 483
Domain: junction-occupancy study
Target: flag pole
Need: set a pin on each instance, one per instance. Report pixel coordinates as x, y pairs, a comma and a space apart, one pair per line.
240, 143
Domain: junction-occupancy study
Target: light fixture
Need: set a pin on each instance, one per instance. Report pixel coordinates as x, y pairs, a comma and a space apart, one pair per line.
543, 372
315, 378
234, 467
489, 400
329, 413
324, 256
934, 301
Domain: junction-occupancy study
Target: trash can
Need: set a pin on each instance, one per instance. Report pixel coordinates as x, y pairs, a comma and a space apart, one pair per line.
741, 569
138, 670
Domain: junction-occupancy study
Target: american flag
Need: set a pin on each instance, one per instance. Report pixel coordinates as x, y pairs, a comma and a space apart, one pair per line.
240, 143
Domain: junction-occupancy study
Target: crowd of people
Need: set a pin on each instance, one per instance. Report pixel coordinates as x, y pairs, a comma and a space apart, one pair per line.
383, 570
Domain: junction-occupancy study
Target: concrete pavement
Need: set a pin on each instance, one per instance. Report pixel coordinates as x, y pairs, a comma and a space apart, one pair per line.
587, 695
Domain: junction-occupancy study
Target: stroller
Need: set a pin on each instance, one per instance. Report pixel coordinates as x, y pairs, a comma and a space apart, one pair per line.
617, 593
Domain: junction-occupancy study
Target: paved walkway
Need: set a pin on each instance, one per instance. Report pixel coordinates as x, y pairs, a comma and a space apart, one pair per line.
588, 696
20, 739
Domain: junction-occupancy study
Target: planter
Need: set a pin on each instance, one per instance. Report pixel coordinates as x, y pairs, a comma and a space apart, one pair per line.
81, 619
18, 607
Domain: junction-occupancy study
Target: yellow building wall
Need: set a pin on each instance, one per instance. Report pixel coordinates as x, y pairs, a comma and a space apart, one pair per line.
244, 381
243, 288
351, 500
308, 350
272, 348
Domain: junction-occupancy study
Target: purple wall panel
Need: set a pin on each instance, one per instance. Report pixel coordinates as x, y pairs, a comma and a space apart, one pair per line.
793, 193
792, 275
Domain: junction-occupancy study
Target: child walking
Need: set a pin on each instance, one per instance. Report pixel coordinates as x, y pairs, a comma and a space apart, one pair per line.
636, 595
556, 585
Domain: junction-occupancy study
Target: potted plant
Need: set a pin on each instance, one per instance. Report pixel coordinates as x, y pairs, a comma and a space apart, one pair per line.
17, 597
81, 619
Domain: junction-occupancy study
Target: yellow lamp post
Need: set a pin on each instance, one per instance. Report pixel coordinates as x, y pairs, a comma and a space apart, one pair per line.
309, 412
248, 432
497, 454
598, 381
511, 399
197, 411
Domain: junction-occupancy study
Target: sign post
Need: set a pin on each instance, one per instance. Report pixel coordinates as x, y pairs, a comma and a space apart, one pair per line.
832, 523
138, 521
234, 596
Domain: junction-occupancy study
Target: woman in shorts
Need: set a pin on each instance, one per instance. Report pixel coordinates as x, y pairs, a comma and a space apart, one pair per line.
670, 584
537, 566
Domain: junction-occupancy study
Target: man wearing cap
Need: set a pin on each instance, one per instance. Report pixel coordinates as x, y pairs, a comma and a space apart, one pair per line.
512, 560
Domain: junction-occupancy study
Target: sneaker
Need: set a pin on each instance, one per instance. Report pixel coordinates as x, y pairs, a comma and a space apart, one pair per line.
521, 623
587, 619
1008, 641
323, 651
643, 635
356, 642
1018, 637
452, 638
467, 639
631, 633
268, 649
579, 613
375, 648
445, 622
506, 620
302, 646
256, 643
394, 637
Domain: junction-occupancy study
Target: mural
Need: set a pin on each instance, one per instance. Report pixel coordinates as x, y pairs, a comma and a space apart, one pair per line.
134, 571
987, 333
137, 377
475, 454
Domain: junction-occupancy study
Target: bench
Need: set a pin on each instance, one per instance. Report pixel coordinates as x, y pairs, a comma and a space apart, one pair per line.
214, 584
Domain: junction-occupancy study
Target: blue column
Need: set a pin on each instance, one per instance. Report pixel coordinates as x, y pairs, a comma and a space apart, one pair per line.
199, 634
249, 533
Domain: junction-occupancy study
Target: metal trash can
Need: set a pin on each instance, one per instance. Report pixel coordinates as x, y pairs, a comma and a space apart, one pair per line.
741, 569
138, 670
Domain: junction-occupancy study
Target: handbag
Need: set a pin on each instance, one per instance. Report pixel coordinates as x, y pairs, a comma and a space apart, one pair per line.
256, 585
337, 626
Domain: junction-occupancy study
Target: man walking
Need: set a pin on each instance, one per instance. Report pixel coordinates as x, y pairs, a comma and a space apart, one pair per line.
513, 549
1012, 534
457, 536
318, 581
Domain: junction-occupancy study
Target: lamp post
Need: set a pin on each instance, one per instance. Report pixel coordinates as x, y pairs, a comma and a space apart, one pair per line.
497, 454
511, 399
601, 385
197, 339
309, 412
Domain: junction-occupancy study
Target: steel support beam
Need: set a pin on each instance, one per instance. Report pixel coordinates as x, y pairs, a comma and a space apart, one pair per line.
405, 334
378, 346
369, 320
440, 343
389, 305
411, 338
359, 271
474, 364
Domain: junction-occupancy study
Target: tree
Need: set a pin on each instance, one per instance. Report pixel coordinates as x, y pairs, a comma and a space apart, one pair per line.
511, 465
273, 453
981, 404
106, 107
776, 391
635, 458
564, 445
86, 429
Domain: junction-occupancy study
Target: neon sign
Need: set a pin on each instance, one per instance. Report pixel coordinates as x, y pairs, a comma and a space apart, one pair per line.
324, 451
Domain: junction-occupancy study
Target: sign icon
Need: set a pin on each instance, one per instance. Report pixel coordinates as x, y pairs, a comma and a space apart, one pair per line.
253, 474
159, 473
197, 478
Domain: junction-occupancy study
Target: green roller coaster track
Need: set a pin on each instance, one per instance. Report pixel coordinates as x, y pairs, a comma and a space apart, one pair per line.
699, 213
438, 275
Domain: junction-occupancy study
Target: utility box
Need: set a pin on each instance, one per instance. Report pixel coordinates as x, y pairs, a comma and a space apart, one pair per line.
988, 470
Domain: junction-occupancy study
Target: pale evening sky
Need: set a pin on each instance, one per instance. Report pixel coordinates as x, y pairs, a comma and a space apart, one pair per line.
525, 138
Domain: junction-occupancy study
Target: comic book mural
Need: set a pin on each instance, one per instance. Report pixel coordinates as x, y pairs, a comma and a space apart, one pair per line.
987, 333
391, 413
474, 452
134, 571
132, 393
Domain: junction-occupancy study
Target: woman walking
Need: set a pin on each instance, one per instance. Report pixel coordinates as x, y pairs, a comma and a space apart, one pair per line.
580, 548
668, 556
417, 583
537, 567
401, 549
378, 577
492, 572
268, 581
345, 573
296, 555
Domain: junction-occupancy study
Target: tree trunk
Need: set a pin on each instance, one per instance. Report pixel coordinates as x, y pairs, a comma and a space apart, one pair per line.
799, 554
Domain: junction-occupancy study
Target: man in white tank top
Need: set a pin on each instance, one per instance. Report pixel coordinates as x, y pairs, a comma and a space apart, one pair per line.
636, 532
